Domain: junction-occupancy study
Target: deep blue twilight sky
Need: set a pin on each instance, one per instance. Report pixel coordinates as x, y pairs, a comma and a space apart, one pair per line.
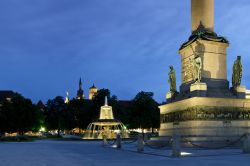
123, 45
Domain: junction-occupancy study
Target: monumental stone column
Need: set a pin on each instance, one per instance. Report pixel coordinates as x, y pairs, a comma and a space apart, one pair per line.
202, 12
205, 109
206, 45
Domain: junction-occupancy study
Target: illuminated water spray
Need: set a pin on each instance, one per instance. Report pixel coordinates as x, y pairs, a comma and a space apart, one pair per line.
106, 125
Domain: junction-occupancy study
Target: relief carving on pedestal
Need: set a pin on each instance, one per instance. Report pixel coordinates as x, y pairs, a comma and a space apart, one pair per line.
198, 113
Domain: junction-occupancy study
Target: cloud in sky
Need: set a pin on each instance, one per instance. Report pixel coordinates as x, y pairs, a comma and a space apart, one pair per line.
126, 46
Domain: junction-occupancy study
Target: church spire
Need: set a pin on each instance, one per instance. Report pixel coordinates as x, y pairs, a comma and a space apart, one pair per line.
80, 83
80, 93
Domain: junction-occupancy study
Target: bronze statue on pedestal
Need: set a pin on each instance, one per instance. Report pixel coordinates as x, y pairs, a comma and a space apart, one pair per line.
237, 72
172, 79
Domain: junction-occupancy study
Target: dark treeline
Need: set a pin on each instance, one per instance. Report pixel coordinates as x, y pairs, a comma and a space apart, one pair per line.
20, 115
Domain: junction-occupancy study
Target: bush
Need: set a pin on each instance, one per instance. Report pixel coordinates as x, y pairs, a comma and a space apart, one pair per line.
15, 139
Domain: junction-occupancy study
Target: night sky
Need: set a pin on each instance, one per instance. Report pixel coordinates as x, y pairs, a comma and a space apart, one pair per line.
123, 45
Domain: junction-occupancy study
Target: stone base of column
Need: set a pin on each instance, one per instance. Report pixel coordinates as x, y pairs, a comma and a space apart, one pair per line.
198, 89
241, 92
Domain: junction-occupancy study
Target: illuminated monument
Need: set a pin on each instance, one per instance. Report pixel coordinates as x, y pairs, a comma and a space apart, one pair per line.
205, 108
105, 125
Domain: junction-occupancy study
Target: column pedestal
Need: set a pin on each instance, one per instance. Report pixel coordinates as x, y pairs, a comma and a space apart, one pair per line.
198, 90
241, 92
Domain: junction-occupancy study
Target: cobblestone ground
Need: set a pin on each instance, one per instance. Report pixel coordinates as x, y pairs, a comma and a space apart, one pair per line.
85, 153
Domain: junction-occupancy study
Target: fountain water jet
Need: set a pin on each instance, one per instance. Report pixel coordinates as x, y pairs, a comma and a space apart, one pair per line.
106, 125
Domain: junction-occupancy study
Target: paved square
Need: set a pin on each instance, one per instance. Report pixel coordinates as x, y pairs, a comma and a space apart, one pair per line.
85, 153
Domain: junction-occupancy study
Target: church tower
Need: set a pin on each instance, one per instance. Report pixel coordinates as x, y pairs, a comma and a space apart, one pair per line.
92, 92
80, 92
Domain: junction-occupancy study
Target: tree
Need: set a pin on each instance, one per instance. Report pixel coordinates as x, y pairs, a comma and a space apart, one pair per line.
145, 111
81, 110
67, 119
54, 114
123, 111
20, 115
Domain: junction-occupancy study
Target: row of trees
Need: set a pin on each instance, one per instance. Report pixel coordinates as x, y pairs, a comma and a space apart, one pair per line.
20, 115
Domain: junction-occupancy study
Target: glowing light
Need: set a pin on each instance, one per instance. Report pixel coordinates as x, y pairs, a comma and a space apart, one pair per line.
67, 98
42, 129
185, 154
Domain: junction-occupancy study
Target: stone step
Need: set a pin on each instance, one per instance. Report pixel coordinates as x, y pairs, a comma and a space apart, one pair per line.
223, 93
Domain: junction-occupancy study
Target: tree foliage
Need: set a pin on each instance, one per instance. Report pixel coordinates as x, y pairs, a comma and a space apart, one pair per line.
19, 115
81, 110
58, 116
145, 111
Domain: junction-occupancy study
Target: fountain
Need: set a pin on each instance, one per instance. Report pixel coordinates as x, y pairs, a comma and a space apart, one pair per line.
106, 125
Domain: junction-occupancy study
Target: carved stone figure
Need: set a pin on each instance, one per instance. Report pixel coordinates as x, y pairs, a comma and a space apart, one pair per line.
197, 64
237, 72
172, 79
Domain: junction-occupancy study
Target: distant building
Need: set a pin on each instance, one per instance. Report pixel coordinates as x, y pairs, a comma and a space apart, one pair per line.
80, 92
6, 95
92, 92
